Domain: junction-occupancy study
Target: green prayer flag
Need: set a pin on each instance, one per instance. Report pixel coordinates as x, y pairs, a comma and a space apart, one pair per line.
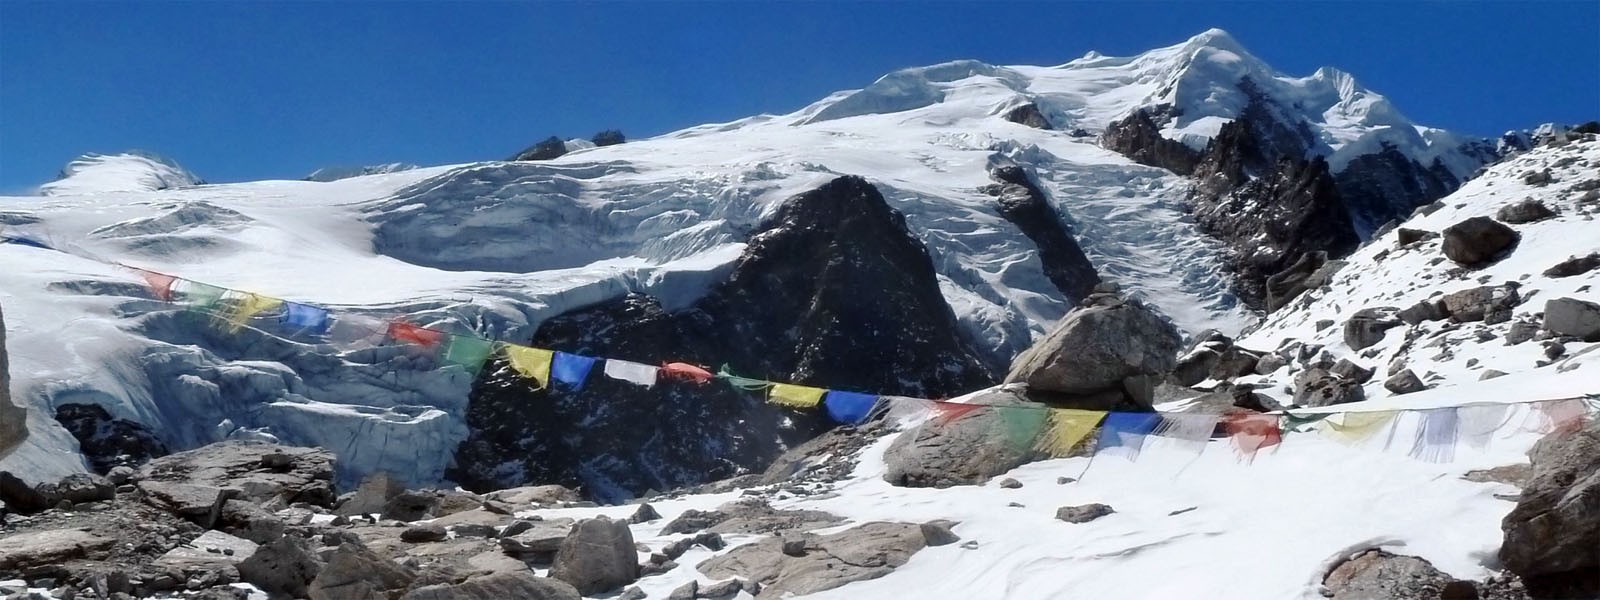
1020, 427
202, 297
468, 351
1296, 423
742, 383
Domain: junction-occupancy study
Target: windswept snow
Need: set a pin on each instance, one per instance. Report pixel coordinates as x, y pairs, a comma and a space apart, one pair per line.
126, 172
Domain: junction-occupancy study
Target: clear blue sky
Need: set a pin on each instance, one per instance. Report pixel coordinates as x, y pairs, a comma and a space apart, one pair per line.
255, 90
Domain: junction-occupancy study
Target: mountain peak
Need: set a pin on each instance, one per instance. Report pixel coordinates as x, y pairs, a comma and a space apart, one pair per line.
1214, 38
130, 171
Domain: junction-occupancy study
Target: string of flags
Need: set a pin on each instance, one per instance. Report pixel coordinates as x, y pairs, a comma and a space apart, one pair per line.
1051, 431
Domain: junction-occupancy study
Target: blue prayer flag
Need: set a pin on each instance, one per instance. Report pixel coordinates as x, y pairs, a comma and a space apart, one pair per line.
849, 407
304, 317
1127, 430
571, 369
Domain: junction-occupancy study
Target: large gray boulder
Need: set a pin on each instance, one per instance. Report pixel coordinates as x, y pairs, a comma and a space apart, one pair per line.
1367, 327
354, 572
867, 551
597, 557
1478, 240
13, 418
522, 585
1107, 354
22, 551
1379, 575
964, 450
1574, 317
1490, 304
1318, 387
284, 566
1552, 535
1526, 211
253, 471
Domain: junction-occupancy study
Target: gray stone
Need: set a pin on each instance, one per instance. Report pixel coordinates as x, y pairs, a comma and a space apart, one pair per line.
408, 506
372, 495
1574, 317
1367, 327
597, 557
237, 465
21, 497
1478, 240
1083, 513
249, 521
120, 475
1521, 331
79, 488
211, 551
867, 551
1318, 387
1423, 310
1406, 237
537, 537
687, 591
1269, 363
13, 418
1349, 370
1526, 211
938, 533
1490, 374
522, 585
284, 566
424, 533
474, 530
961, 450
354, 572
538, 494
794, 546
1404, 382
1492, 304
633, 593
1379, 575
720, 589
1576, 265
200, 504
23, 551
1552, 533
1554, 349
644, 514
1010, 484
1093, 349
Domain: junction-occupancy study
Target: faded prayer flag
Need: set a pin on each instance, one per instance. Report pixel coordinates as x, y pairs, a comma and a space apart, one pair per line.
1191, 431
304, 317
160, 284
247, 307
533, 363
742, 383
1066, 428
850, 408
1127, 431
631, 372
1478, 423
1436, 436
200, 296
1356, 427
1250, 432
795, 396
571, 369
468, 351
402, 331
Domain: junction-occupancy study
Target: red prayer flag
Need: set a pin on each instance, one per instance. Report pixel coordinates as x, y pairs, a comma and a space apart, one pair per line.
160, 284
1250, 432
402, 331
686, 372
945, 412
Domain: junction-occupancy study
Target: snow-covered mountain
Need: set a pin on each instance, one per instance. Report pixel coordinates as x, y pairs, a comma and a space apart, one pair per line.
326, 174
134, 171
1004, 175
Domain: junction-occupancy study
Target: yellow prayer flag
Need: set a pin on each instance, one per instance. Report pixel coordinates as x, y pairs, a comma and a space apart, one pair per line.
1066, 428
247, 306
1356, 427
796, 396
532, 363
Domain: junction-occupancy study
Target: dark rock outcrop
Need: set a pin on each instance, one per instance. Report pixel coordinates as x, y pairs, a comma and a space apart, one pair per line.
1317, 387
1022, 203
109, 442
597, 557
1478, 241
1574, 317
1307, 273
1367, 326
546, 149
1387, 185
832, 291
1028, 114
1552, 533
1138, 137
13, 418
1404, 382
1106, 355
1379, 575
1576, 265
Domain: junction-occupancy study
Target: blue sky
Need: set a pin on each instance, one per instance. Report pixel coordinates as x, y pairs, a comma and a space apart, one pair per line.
257, 90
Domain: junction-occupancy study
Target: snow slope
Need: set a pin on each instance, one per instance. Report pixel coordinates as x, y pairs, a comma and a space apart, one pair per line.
126, 172
498, 247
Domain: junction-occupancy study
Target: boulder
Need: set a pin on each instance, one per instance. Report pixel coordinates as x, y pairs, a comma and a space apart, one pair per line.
1379, 575
1490, 304
1269, 363
200, 504
21, 497
1576, 265
1318, 387
1404, 382
1349, 370
1310, 271
1367, 327
1407, 237
1086, 360
938, 533
424, 533
1478, 240
720, 589
1574, 317
1027, 114
285, 566
644, 514
749, 515
534, 538
1552, 533
1235, 362
1195, 366
597, 557
1423, 310
867, 551
23, 551
961, 450
13, 418
354, 572
1083, 513
538, 494
1526, 211
374, 493
411, 506
522, 585
687, 591
255, 471
249, 521
213, 550
1521, 331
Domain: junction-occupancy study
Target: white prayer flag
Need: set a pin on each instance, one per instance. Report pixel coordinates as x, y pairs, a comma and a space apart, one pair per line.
631, 372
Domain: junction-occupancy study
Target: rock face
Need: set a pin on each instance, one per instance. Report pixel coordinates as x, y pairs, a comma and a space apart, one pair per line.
109, 442
832, 291
546, 149
1570, 316
1478, 241
1028, 114
867, 551
1552, 534
521, 585
1379, 575
597, 557
962, 451
13, 418
1139, 138
1023, 204
253, 471
1106, 355
1296, 279
1576, 265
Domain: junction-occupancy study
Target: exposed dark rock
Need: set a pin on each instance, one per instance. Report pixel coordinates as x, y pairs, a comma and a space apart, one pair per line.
1574, 317
747, 515
867, 551
1478, 241
1423, 310
1379, 575
609, 137
523, 585
1404, 382
107, 442
832, 291
1576, 265
1526, 211
597, 557
1552, 533
424, 533
1010, 484
200, 504
284, 566
1491, 304
535, 539
24, 551
720, 590
1139, 137
1296, 279
1317, 387
80, 488
1088, 359
13, 418
1537, 178
238, 466
546, 149
1407, 237
645, 514
1387, 185
353, 571
22, 497
249, 521
1490, 374
1367, 326
1084, 513
1349, 370
1028, 114
411, 506
1022, 203
1521, 331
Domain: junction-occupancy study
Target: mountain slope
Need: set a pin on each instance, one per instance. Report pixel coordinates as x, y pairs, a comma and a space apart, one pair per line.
126, 172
